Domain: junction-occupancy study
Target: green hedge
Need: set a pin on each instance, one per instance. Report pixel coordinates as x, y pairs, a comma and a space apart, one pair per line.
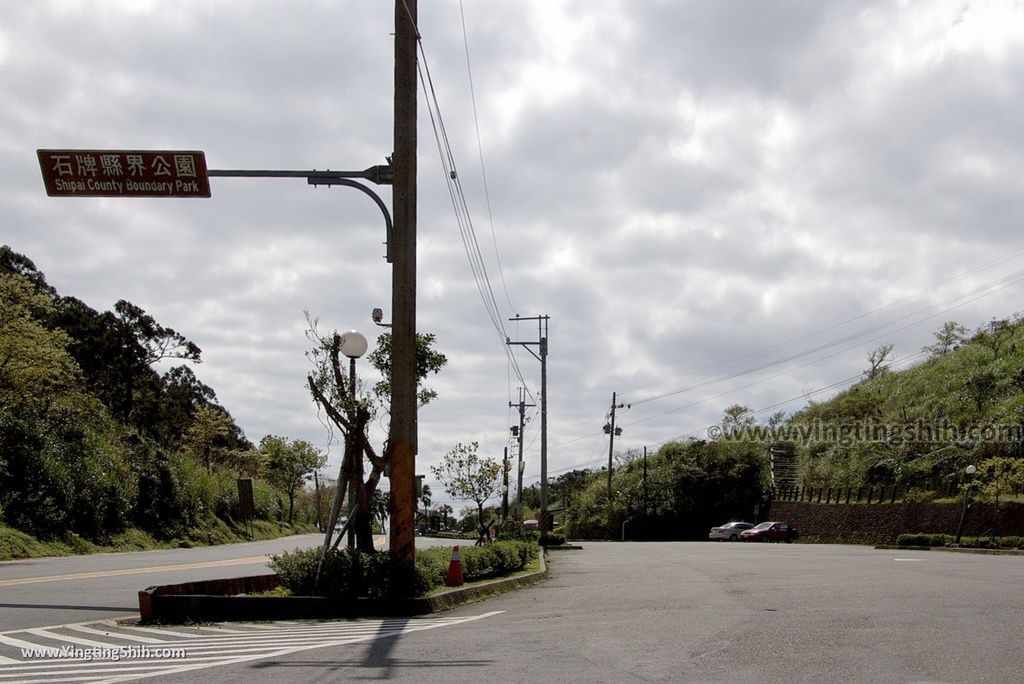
1010, 542
348, 574
923, 539
552, 539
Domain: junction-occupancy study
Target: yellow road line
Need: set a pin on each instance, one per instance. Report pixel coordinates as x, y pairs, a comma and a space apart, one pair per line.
251, 560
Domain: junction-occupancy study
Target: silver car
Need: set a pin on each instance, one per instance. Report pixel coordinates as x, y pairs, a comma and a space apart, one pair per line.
729, 531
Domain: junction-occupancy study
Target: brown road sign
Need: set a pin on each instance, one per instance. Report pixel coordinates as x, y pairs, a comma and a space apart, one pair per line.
124, 173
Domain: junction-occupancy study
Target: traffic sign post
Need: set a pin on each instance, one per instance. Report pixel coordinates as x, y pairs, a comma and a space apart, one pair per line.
124, 173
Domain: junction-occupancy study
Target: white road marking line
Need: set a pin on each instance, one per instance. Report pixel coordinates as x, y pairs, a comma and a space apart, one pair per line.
909, 560
115, 635
151, 630
19, 643
217, 650
209, 629
46, 634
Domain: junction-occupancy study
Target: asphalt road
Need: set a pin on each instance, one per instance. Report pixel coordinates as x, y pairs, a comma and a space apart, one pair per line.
47, 591
40, 592
706, 612
680, 612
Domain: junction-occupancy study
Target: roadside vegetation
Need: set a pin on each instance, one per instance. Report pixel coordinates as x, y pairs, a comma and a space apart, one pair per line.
101, 451
918, 429
352, 573
914, 431
948, 540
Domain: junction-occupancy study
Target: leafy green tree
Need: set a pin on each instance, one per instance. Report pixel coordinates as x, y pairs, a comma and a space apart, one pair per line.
116, 351
467, 476
208, 437
180, 394
690, 486
425, 499
289, 464
567, 485
736, 419
428, 362
999, 477
444, 510
947, 338
34, 363
996, 335
13, 263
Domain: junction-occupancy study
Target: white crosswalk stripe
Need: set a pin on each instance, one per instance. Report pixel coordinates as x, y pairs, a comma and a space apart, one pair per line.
116, 651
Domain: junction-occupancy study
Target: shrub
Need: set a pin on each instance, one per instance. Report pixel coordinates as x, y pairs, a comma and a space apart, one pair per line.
514, 530
1010, 542
499, 558
551, 539
348, 574
915, 495
432, 566
298, 569
923, 539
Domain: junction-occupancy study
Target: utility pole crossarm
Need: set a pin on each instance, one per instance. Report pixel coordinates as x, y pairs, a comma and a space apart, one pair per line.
526, 345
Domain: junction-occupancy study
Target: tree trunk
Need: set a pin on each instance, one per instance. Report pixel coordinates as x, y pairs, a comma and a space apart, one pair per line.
483, 535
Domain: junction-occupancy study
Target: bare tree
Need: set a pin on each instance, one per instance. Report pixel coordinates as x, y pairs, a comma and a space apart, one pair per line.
877, 358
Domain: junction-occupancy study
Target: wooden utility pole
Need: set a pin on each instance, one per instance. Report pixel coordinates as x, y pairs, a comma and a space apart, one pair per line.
519, 438
612, 432
402, 433
504, 487
542, 356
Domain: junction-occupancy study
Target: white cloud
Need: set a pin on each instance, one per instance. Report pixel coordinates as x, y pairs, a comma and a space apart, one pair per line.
689, 189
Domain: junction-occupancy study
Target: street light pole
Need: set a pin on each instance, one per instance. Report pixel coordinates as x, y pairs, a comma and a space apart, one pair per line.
970, 470
353, 345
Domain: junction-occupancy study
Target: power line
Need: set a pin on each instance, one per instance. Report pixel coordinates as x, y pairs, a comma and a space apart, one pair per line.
992, 287
983, 267
480, 149
463, 217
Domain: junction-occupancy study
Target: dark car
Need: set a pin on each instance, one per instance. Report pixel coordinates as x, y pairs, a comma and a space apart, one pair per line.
770, 532
730, 531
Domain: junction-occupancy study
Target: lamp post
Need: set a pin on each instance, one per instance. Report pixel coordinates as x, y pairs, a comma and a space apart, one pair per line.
353, 345
970, 470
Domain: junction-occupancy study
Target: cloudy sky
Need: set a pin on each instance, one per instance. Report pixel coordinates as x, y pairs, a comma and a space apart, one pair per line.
715, 202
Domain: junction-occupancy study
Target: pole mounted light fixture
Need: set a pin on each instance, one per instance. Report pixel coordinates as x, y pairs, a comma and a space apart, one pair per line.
353, 344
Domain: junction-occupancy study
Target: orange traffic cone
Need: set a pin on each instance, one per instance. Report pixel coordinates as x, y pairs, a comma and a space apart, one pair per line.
454, 576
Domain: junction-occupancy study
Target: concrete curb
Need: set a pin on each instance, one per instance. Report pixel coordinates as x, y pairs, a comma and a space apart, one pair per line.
951, 549
226, 600
455, 597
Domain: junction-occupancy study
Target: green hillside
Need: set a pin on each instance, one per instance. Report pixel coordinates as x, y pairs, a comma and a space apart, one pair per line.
921, 427
99, 448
